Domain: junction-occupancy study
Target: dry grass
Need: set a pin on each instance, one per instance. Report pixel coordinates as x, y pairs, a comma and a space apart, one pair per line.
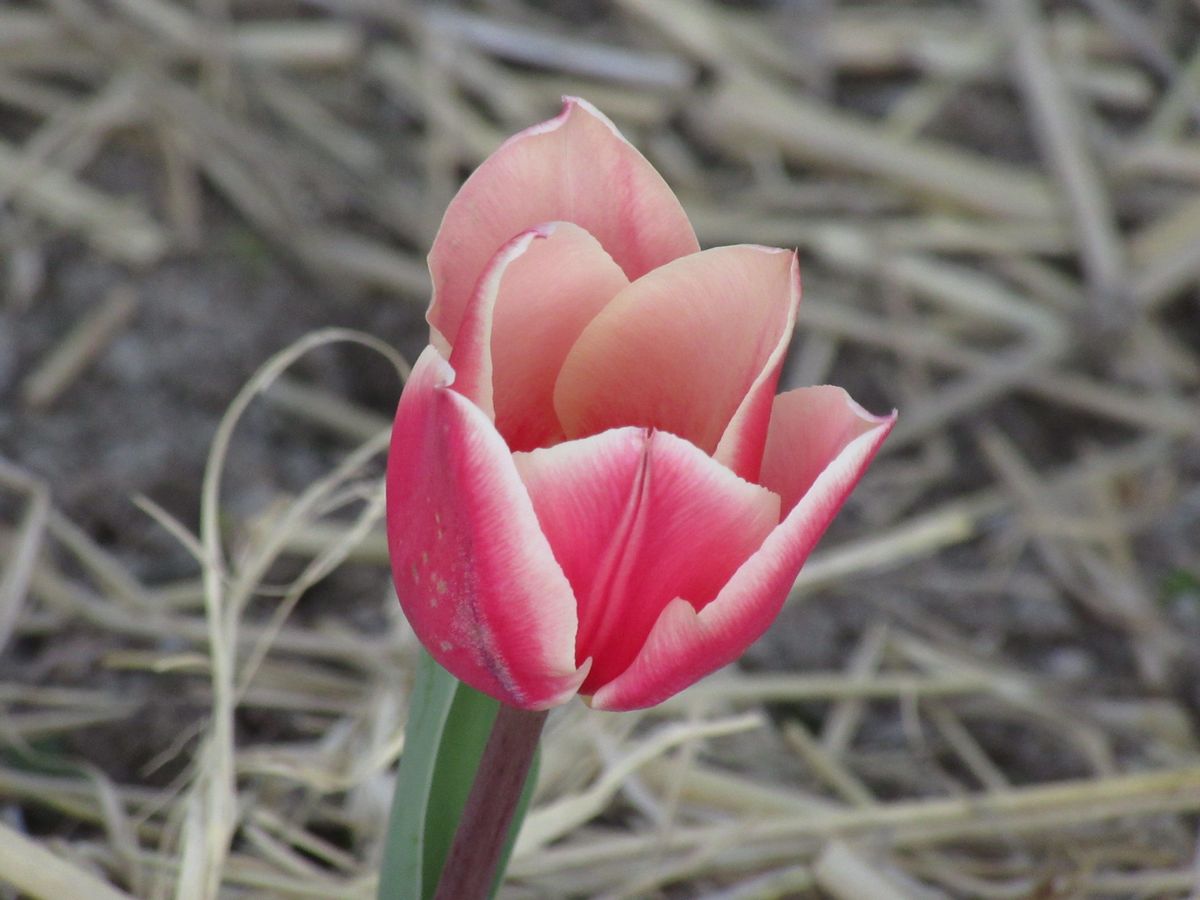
999, 213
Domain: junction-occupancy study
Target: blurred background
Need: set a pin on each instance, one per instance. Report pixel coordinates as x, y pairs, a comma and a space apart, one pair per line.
986, 684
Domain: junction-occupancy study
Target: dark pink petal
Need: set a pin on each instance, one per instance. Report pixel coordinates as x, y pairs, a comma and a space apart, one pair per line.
535, 297
637, 518
473, 570
574, 168
809, 428
742, 444
681, 348
684, 645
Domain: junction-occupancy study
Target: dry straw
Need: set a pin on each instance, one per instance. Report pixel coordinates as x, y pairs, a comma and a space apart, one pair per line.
984, 686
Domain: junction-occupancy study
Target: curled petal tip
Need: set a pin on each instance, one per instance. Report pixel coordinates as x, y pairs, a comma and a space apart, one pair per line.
685, 645
575, 167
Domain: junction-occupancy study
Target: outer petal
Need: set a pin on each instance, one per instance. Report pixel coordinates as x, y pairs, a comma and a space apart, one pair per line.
681, 348
684, 645
473, 571
637, 518
809, 427
535, 297
574, 168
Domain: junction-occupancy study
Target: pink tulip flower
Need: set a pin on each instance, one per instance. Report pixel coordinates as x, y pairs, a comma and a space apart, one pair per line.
592, 487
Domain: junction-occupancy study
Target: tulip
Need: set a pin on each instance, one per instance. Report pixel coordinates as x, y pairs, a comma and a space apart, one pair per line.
592, 486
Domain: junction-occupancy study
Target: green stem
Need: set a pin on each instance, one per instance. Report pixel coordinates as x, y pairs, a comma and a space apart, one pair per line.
470, 869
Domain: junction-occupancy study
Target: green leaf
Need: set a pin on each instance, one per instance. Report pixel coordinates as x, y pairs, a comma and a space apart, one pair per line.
448, 726
1181, 585
463, 739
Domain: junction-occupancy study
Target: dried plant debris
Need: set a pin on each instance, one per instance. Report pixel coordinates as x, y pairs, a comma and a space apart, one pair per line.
986, 683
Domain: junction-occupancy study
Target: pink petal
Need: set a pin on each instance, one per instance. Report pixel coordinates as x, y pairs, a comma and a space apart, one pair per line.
637, 518
473, 571
535, 297
809, 428
742, 443
684, 645
574, 168
681, 348
471, 357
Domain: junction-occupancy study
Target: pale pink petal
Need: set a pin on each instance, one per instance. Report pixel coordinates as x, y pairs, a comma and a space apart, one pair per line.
574, 168
473, 571
742, 443
681, 348
536, 296
547, 298
471, 357
637, 518
684, 645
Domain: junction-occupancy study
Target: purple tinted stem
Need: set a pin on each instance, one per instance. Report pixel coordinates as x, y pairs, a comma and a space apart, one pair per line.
470, 868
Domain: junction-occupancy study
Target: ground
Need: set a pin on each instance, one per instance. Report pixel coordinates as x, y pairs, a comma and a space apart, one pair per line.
985, 682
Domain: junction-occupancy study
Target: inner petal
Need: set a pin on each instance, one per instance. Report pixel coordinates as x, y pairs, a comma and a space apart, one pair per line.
680, 348
537, 294
546, 298
636, 518
577, 168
